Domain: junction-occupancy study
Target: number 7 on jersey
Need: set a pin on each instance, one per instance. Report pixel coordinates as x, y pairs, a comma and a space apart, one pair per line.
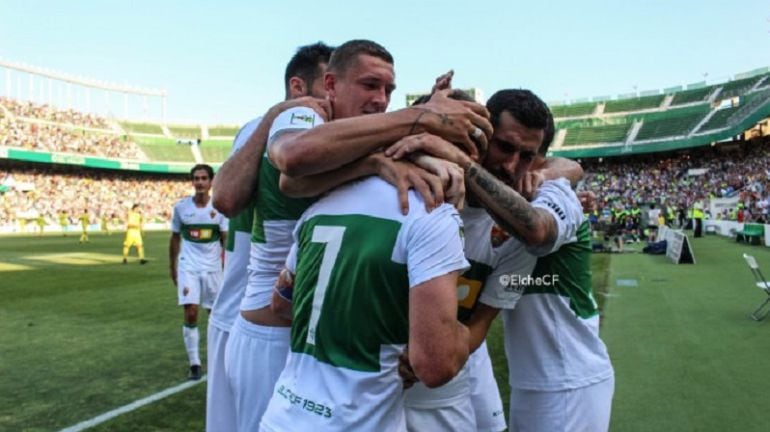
332, 236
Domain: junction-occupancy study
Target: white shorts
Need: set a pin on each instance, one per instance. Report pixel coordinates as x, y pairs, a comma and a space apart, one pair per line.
198, 288
254, 359
485, 395
456, 417
220, 402
585, 409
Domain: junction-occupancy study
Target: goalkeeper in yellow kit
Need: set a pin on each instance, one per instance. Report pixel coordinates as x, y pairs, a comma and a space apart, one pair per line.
134, 235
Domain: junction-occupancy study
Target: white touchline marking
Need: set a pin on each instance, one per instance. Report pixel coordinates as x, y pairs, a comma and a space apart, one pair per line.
132, 406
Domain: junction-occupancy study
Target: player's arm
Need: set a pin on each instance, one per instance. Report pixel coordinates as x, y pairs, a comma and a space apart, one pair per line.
438, 343
173, 254
531, 225
236, 180
332, 145
548, 169
404, 175
479, 323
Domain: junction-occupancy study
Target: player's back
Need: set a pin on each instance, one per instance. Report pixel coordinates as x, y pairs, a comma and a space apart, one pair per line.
351, 305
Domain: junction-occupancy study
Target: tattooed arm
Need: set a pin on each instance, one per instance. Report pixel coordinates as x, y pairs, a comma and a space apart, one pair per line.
531, 225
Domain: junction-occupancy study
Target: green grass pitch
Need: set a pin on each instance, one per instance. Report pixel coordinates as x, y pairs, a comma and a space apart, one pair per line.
82, 334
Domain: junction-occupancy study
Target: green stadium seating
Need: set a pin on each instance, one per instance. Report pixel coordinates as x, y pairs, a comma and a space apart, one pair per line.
674, 124
574, 110
144, 128
228, 131
737, 87
597, 134
162, 149
633, 104
189, 132
690, 96
719, 119
215, 151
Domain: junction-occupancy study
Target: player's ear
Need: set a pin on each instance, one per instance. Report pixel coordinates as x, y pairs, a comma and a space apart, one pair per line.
297, 87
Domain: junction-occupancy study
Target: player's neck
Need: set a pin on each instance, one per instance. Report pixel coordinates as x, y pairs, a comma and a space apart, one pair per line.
201, 200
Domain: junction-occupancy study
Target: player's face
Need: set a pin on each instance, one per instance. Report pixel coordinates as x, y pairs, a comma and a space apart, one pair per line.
512, 149
365, 88
201, 181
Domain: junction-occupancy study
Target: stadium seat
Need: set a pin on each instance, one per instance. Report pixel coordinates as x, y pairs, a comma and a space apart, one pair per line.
761, 283
751, 233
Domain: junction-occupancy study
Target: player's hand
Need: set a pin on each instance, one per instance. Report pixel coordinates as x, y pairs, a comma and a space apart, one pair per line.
173, 275
443, 82
528, 183
587, 200
321, 106
281, 303
406, 175
460, 122
405, 370
429, 144
451, 175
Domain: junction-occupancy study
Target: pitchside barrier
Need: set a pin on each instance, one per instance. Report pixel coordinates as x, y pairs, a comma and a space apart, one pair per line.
730, 228
32, 228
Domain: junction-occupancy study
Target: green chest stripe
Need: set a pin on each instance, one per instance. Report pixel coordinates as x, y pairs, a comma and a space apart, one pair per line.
201, 233
271, 204
242, 222
364, 301
568, 272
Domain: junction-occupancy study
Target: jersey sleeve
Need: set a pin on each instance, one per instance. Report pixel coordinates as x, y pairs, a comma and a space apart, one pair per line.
293, 120
434, 245
244, 134
557, 198
176, 221
501, 288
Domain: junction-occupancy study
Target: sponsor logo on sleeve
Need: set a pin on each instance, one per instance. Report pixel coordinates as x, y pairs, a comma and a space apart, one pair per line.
298, 119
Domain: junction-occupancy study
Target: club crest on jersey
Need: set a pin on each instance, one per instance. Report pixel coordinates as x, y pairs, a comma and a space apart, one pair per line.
302, 118
498, 236
213, 214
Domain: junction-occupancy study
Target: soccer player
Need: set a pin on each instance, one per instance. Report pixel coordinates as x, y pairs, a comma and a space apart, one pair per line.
40, 220
228, 403
105, 223
380, 251
64, 222
195, 257
555, 356
85, 220
134, 222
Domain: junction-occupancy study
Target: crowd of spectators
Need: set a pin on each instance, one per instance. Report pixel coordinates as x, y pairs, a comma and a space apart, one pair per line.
15, 132
675, 183
46, 112
48, 191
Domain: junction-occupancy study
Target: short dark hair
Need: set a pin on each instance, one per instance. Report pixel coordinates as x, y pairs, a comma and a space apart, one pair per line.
305, 63
205, 167
346, 54
455, 94
524, 106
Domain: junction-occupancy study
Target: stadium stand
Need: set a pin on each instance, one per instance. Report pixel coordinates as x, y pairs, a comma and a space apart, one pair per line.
185, 131
159, 148
223, 131
31, 135
691, 96
596, 134
675, 123
215, 151
633, 104
50, 189
737, 87
141, 128
574, 110
45, 112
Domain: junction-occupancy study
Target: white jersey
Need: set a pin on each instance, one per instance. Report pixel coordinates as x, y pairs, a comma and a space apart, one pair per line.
355, 261
274, 215
236, 251
552, 336
201, 229
493, 257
